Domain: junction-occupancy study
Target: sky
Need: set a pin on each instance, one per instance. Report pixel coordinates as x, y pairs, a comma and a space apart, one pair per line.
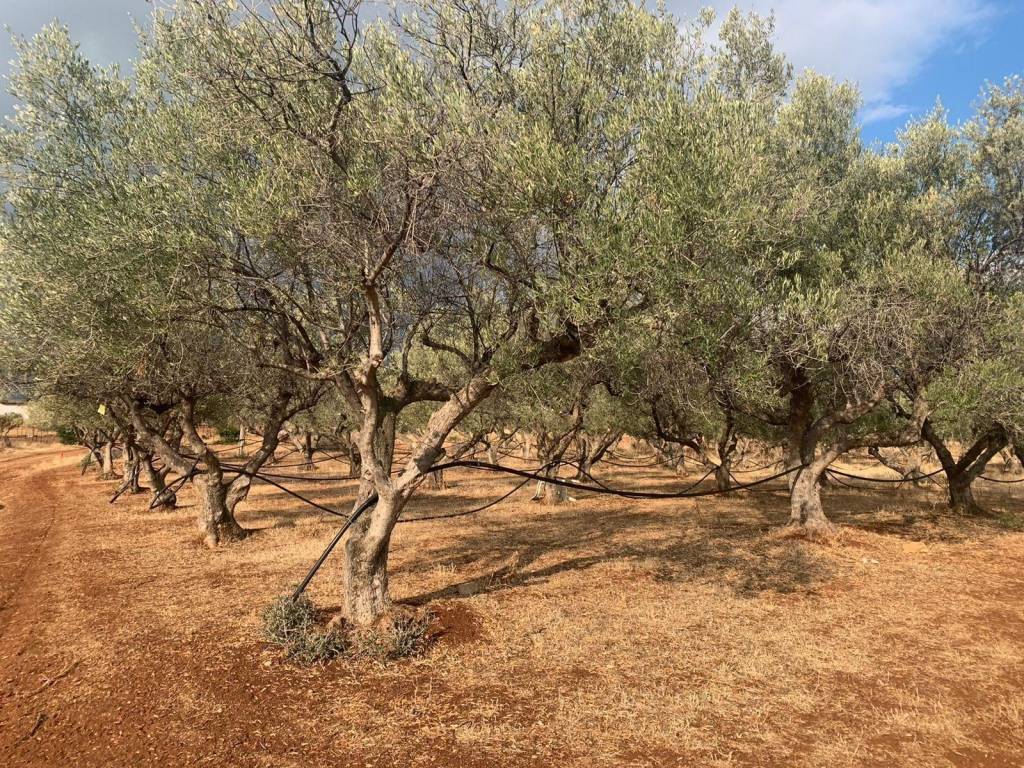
904, 54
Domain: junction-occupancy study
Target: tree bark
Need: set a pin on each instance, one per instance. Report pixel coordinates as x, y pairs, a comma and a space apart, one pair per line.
910, 472
805, 509
961, 495
801, 403
154, 481
962, 472
366, 565
352, 454
132, 468
307, 451
217, 522
1011, 464
107, 456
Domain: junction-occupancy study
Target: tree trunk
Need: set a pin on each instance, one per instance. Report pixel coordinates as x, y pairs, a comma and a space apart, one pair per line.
910, 470
550, 493
355, 462
154, 481
366, 549
584, 470
132, 469
801, 404
527, 446
964, 471
307, 451
1011, 464
726, 450
436, 480
555, 494
216, 518
805, 508
107, 456
961, 495
723, 477
366, 566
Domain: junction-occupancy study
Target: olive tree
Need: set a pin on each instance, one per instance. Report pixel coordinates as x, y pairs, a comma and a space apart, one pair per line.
103, 300
976, 173
460, 179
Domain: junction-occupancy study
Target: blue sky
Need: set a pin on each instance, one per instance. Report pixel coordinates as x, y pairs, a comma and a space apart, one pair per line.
903, 53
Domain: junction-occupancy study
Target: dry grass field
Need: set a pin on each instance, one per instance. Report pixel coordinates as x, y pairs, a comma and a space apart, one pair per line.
604, 632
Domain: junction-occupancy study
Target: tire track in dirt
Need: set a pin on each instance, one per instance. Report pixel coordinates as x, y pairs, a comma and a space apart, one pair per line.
30, 526
26, 521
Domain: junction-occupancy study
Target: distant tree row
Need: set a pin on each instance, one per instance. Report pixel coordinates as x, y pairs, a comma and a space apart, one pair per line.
568, 220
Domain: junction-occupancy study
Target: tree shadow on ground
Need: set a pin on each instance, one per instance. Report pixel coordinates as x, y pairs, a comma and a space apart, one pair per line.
744, 554
733, 542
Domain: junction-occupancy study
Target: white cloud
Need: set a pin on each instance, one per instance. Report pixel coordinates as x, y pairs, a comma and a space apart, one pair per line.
883, 111
879, 44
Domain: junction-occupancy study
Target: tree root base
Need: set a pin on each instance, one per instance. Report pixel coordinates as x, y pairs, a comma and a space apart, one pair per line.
823, 531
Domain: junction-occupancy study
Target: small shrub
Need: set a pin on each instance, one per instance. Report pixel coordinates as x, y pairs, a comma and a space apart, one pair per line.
285, 619
228, 434
409, 633
66, 436
292, 625
401, 635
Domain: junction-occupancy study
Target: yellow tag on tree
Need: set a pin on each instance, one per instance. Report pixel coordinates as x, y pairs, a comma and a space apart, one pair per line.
102, 410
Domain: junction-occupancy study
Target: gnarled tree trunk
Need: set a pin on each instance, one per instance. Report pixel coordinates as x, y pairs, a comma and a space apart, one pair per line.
107, 460
909, 471
216, 518
156, 483
961, 473
805, 509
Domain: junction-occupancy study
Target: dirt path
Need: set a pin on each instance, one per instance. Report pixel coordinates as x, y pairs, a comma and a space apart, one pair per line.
598, 634
24, 538
123, 643
28, 536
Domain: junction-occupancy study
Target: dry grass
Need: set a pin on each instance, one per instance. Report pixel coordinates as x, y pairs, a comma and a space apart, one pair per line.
600, 633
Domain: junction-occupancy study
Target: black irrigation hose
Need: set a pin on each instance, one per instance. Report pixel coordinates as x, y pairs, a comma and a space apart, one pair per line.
267, 479
488, 505
173, 488
843, 483
371, 501
604, 486
686, 493
622, 462
599, 488
755, 469
325, 478
1003, 482
882, 479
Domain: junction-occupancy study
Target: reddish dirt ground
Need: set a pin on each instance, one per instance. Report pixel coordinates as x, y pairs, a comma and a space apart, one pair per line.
598, 633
